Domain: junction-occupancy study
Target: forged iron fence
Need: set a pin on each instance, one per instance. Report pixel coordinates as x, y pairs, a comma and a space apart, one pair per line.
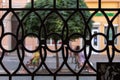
65, 46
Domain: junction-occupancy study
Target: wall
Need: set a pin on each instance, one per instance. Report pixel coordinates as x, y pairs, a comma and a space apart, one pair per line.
102, 20
90, 4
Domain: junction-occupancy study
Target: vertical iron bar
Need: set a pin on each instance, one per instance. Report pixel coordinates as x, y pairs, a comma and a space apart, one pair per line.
10, 77
54, 77
99, 4
32, 3
77, 4
54, 4
77, 77
32, 77
10, 4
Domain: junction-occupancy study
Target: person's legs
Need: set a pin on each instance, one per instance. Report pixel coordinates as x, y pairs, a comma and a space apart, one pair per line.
80, 65
89, 68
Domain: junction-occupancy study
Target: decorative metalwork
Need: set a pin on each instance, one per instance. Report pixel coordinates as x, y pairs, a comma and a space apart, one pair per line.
65, 47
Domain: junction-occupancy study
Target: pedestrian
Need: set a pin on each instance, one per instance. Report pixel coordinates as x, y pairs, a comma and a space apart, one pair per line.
80, 58
34, 60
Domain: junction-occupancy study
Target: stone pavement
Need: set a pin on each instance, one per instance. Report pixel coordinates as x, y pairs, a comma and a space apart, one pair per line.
11, 62
48, 78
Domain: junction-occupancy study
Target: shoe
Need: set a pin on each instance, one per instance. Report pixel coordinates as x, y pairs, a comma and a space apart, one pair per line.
90, 71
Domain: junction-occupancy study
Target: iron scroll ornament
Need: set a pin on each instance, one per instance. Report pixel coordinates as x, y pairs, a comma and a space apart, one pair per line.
65, 47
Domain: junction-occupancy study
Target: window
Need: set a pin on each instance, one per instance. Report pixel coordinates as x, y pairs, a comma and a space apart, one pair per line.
95, 39
110, 36
28, 0
51, 42
4, 1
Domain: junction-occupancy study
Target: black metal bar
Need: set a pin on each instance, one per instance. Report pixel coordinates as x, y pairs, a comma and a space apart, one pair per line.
99, 5
54, 4
10, 4
65, 44
32, 4
77, 4
61, 9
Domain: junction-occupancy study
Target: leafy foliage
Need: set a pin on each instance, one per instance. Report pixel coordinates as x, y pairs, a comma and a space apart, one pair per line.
53, 22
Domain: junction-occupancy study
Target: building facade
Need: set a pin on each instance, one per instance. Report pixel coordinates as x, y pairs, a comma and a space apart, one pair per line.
100, 25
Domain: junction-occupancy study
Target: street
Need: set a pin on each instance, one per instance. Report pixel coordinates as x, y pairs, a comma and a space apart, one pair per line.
12, 62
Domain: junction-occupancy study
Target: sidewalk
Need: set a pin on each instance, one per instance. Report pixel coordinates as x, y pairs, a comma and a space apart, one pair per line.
11, 60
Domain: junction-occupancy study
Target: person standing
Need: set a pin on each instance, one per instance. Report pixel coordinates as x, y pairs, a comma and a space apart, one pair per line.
80, 57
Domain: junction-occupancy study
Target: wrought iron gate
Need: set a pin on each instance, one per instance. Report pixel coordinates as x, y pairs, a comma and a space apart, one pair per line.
65, 47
